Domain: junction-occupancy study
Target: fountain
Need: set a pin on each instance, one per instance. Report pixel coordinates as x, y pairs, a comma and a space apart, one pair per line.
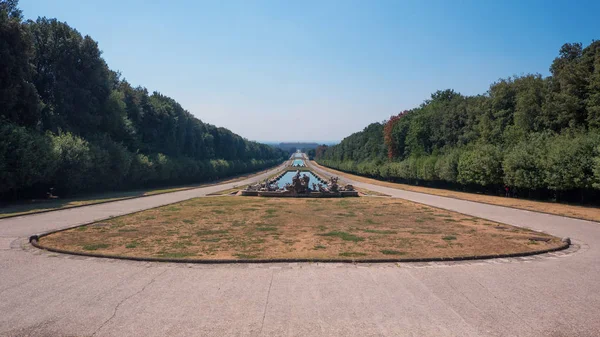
301, 186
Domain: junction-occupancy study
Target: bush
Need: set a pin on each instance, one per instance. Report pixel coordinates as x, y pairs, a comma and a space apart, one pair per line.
26, 158
110, 165
570, 162
524, 164
596, 168
141, 171
74, 163
385, 170
427, 168
446, 166
481, 166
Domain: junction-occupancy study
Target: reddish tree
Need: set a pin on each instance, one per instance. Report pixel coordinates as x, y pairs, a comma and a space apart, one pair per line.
392, 148
320, 150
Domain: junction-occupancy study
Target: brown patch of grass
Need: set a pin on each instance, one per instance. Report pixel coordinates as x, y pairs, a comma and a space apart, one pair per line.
95, 246
367, 192
391, 252
230, 191
574, 211
236, 228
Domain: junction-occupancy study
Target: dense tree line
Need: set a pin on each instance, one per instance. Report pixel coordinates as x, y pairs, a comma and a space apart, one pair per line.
538, 137
67, 121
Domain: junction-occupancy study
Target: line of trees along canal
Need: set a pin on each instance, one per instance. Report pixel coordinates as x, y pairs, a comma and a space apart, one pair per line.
540, 137
67, 121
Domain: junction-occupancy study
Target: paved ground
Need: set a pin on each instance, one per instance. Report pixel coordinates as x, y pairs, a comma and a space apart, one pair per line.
46, 294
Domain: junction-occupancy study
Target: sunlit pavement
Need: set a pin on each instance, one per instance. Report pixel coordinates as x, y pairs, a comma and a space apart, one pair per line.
48, 294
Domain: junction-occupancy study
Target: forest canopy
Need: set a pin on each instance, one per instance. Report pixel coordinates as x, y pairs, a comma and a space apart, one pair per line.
70, 123
537, 136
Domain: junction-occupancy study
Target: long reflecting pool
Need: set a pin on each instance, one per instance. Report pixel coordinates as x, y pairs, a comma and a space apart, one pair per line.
298, 162
287, 178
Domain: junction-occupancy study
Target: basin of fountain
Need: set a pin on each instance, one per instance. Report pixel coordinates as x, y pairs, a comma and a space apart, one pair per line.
298, 163
300, 184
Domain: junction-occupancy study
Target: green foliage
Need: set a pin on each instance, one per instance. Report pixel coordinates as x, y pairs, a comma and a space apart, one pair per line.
366, 145
344, 236
446, 167
524, 164
10, 8
426, 168
480, 166
530, 133
19, 101
74, 160
596, 168
71, 123
570, 162
26, 158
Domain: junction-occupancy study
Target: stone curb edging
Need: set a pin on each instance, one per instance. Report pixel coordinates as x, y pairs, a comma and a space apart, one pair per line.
214, 183
34, 241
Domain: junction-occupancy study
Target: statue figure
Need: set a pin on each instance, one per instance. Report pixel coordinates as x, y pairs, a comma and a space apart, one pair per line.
333, 186
306, 180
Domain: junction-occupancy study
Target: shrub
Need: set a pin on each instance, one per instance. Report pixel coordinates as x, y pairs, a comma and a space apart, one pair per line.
524, 164
570, 162
480, 166
446, 166
74, 163
110, 165
26, 158
427, 168
596, 168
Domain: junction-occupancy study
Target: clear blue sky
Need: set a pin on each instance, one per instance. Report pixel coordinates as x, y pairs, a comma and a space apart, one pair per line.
320, 70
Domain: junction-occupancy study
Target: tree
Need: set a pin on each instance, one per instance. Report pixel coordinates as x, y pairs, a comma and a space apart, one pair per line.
596, 168
11, 9
533, 133
59, 100
592, 60
72, 79
19, 100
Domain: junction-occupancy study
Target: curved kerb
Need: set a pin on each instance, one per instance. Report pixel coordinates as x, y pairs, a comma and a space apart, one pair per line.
34, 240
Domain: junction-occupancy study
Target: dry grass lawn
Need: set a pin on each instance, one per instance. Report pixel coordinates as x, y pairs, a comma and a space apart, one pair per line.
574, 211
253, 227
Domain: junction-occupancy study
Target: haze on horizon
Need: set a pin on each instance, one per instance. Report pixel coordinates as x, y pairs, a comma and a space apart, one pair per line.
318, 71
